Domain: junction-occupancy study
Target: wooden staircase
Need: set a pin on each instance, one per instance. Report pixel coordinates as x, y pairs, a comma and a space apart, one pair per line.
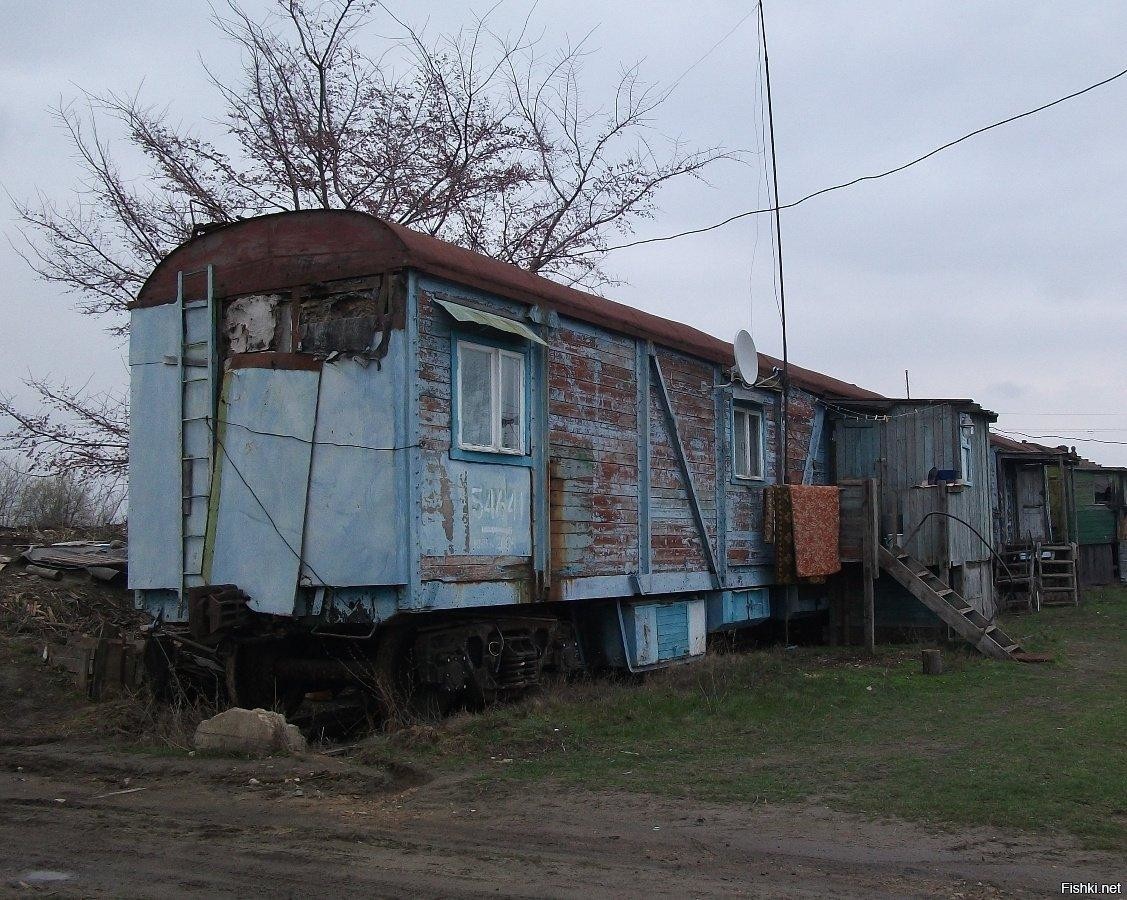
953, 609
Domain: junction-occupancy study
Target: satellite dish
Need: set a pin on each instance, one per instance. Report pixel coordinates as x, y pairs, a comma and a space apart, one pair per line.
747, 359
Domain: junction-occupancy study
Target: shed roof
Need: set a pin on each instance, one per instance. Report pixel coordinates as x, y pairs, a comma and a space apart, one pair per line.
290, 249
886, 404
1009, 445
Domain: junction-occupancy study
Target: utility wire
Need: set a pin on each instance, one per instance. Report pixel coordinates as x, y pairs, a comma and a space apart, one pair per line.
314, 443
300, 561
1059, 437
858, 180
785, 472
706, 54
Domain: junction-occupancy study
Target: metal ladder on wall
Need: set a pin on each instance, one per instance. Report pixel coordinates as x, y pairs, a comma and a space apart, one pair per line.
196, 363
952, 608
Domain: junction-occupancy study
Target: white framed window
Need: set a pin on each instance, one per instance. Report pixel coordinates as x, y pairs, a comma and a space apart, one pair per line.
747, 442
966, 448
491, 399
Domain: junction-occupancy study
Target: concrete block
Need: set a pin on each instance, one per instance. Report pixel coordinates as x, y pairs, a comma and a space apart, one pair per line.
249, 732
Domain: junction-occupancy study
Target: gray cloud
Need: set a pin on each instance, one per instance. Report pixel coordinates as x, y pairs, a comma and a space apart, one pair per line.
994, 271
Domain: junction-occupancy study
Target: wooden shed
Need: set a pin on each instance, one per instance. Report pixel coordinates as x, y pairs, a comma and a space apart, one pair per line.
1032, 532
930, 463
1028, 505
1097, 516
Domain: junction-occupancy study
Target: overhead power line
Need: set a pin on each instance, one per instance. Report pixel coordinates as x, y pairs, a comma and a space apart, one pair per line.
269, 518
1058, 437
859, 179
707, 53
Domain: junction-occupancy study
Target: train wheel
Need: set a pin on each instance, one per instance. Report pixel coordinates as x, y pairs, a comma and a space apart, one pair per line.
252, 683
403, 698
394, 660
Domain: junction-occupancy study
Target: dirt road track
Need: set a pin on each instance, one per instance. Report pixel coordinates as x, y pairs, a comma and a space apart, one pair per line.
200, 828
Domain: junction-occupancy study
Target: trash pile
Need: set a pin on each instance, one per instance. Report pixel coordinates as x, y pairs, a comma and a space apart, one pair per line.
103, 560
70, 598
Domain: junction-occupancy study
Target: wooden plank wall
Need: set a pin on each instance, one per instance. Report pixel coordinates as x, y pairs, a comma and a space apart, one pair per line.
852, 530
675, 538
746, 546
974, 503
800, 412
435, 419
913, 445
435, 393
593, 467
593, 421
856, 449
1095, 522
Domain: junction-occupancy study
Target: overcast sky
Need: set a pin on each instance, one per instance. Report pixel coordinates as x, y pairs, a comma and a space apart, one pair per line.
996, 270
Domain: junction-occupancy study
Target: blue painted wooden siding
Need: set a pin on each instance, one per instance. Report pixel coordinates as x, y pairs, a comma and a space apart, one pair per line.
656, 633
266, 429
737, 609
748, 555
475, 528
354, 529
154, 454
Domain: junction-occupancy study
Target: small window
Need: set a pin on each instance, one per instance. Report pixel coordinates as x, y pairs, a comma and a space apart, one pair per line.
1103, 490
490, 399
966, 448
747, 442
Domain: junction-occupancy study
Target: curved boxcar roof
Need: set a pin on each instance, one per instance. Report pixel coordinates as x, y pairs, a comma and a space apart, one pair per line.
290, 249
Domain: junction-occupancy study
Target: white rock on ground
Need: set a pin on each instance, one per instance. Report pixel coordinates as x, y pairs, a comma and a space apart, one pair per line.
253, 732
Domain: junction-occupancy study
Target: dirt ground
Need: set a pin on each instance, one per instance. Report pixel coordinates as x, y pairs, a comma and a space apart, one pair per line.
84, 813
204, 828
81, 819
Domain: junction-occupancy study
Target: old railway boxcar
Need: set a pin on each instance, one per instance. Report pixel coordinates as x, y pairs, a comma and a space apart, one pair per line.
351, 441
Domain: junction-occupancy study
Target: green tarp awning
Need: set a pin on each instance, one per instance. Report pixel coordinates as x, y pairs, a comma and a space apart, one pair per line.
489, 320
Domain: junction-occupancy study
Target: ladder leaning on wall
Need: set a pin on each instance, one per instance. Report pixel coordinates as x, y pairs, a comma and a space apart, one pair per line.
1036, 574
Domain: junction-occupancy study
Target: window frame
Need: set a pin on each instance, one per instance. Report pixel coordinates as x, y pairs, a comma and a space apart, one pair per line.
748, 412
967, 430
497, 350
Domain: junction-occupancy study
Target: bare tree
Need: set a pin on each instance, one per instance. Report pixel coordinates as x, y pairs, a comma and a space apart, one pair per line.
75, 432
55, 500
474, 137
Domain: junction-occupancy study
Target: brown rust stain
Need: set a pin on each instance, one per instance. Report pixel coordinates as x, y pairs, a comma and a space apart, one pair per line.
446, 506
465, 479
440, 502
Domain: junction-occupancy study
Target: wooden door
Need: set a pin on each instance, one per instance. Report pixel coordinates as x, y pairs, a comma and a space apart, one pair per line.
1032, 506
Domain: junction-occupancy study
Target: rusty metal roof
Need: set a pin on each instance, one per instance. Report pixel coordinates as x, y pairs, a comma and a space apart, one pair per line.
291, 249
883, 404
1009, 445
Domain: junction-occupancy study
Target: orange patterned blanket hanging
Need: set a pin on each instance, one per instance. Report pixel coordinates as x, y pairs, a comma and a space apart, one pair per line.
802, 521
816, 512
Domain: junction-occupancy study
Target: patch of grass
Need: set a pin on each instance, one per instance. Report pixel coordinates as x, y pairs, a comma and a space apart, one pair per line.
1037, 747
